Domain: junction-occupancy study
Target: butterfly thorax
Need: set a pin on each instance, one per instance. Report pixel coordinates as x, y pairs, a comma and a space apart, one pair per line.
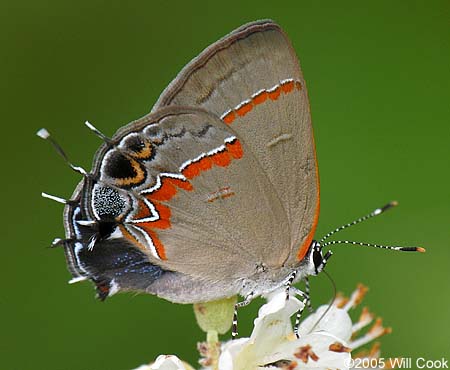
267, 279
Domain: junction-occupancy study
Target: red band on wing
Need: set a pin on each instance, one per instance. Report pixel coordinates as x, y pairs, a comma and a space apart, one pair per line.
228, 118
221, 159
273, 93
158, 245
244, 109
169, 188
261, 97
235, 149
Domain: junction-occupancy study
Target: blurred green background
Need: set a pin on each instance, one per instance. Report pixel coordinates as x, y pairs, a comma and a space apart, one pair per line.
378, 75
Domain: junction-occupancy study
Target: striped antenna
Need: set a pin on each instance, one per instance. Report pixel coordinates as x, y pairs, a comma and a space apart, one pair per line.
44, 134
374, 213
97, 132
394, 248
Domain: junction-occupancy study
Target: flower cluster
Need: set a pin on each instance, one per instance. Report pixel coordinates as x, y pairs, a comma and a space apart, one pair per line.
327, 339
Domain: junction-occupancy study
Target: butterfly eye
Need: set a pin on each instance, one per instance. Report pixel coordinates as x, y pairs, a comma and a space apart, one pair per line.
317, 259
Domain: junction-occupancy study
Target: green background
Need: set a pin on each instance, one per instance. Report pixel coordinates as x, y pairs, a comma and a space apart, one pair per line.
378, 79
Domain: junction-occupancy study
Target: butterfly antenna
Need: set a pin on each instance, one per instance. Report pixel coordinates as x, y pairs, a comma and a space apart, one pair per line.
394, 248
374, 213
97, 132
44, 134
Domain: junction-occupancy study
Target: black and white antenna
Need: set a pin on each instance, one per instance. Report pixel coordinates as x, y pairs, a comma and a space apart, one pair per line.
374, 213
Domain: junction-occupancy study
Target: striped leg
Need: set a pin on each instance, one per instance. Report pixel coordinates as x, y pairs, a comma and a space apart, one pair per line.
289, 283
245, 302
299, 315
305, 300
307, 290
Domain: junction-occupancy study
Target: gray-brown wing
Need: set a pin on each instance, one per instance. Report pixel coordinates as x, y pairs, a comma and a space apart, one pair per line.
199, 203
253, 81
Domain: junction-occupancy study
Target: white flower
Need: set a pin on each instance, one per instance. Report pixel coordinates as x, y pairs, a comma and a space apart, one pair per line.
326, 339
273, 341
166, 362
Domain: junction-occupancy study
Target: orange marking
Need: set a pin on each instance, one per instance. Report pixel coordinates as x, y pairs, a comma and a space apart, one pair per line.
185, 185
260, 98
287, 86
163, 211
149, 226
235, 149
221, 193
192, 170
163, 222
158, 245
165, 192
169, 189
140, 175
222, 196
131, 238
143, 212
244, 109
205, 164
304, 248
221, 159
144, 153
230, 117
275, 94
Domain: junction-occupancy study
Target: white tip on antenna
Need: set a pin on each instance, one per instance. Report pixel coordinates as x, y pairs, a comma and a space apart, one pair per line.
77, 279
43, 133
55, 198
90, 126
97, 132
56, 241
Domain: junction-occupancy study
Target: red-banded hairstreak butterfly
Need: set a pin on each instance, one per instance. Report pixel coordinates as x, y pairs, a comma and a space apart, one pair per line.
216, 191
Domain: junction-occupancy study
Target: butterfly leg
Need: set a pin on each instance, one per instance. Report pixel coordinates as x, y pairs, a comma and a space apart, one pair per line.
289, 282
305, 302
307, 291
298, 317
245, 302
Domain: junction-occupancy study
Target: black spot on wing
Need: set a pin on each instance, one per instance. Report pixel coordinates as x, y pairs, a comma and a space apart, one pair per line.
119, 167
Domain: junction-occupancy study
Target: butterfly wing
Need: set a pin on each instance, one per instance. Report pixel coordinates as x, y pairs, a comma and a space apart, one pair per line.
252, 80
183, 190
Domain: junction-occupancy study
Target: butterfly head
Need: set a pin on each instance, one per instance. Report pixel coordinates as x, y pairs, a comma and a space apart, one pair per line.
317, 260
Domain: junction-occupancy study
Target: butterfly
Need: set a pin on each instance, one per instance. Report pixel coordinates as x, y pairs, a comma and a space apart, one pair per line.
216, 191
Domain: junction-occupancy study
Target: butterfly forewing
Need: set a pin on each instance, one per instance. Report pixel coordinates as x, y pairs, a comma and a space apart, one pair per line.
252, 80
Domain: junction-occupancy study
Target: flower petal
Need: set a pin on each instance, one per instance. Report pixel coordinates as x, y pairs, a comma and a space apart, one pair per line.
164, 362
336, 321
313, 351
